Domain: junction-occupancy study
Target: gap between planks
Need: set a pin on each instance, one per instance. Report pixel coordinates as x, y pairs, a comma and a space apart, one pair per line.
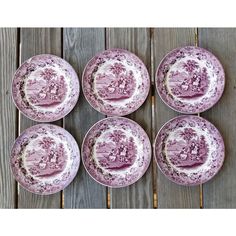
200, 186
153, 134
62, 199
17, 131
108, 195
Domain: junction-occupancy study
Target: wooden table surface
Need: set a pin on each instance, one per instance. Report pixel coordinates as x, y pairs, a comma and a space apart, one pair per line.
77, 46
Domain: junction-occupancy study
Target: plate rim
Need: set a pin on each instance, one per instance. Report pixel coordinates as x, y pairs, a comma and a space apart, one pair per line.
18, 69
156, 78
155, 156
13, 173
126, 51
149, 158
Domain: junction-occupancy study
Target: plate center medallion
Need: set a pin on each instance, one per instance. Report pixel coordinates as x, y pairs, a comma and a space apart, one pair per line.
187, 149
46, 157
116, 150
115, 82
188, 79
46, 87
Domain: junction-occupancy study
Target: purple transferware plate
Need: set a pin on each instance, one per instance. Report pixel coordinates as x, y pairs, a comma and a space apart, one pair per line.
116, 152
115, 82
189, 150
190, 79
45, 88
45, 159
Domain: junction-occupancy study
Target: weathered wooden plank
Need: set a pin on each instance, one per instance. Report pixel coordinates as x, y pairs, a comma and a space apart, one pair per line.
171, 195
136, 40
8, 64
220, 192
37, 41
79, 46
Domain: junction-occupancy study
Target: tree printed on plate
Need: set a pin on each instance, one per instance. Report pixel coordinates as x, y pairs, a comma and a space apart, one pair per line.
47, 160
117, 152
189, 80
188, 150
47, 88
116, 84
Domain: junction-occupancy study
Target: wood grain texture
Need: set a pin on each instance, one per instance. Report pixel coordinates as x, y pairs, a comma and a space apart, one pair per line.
38, 41
8, 64
170, 195
80, 45
220, 192
136, 40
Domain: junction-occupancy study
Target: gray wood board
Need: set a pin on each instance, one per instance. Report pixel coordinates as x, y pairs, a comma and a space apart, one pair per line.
136, 40
38, 41
80, 45
171, 195
8, 64
220, 192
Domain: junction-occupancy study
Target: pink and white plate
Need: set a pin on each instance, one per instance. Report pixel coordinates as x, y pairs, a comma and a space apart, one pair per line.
190, 79
45, 159
115, 82
189, 150
116, 152
45, 88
